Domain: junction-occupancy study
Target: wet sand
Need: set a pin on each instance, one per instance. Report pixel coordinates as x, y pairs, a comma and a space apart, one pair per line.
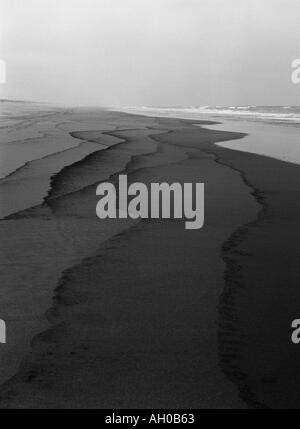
146, 314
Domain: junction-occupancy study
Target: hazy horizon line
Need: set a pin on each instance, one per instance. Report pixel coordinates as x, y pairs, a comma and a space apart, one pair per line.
57, 103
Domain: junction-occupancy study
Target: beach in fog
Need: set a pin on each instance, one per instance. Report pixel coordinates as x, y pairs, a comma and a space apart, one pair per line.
175, 324
149, 206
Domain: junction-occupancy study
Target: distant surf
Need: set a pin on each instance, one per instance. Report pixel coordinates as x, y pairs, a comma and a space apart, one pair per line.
274, 114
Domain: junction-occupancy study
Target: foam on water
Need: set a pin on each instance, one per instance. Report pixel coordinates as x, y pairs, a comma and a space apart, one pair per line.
277, 114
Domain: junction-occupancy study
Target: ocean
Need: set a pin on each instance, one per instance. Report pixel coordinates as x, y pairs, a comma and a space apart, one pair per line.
272, 131
288, 115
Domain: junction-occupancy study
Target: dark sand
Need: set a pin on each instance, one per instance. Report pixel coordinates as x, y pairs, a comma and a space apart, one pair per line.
147, 314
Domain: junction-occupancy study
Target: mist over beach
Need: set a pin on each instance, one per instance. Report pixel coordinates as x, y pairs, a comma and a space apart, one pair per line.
139, 312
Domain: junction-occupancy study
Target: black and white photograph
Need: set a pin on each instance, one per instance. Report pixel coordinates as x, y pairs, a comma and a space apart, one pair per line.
149, 207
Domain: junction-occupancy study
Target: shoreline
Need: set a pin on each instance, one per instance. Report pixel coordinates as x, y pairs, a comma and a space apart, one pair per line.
234, 373
185, 137
272, 376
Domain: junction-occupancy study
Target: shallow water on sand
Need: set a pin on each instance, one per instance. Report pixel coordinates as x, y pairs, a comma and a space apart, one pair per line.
273, 140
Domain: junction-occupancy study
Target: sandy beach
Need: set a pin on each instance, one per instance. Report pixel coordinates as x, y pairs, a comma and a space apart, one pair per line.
149, 208
144, 314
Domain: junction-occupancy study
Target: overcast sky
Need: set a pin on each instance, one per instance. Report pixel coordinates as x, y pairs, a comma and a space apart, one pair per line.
151, 52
